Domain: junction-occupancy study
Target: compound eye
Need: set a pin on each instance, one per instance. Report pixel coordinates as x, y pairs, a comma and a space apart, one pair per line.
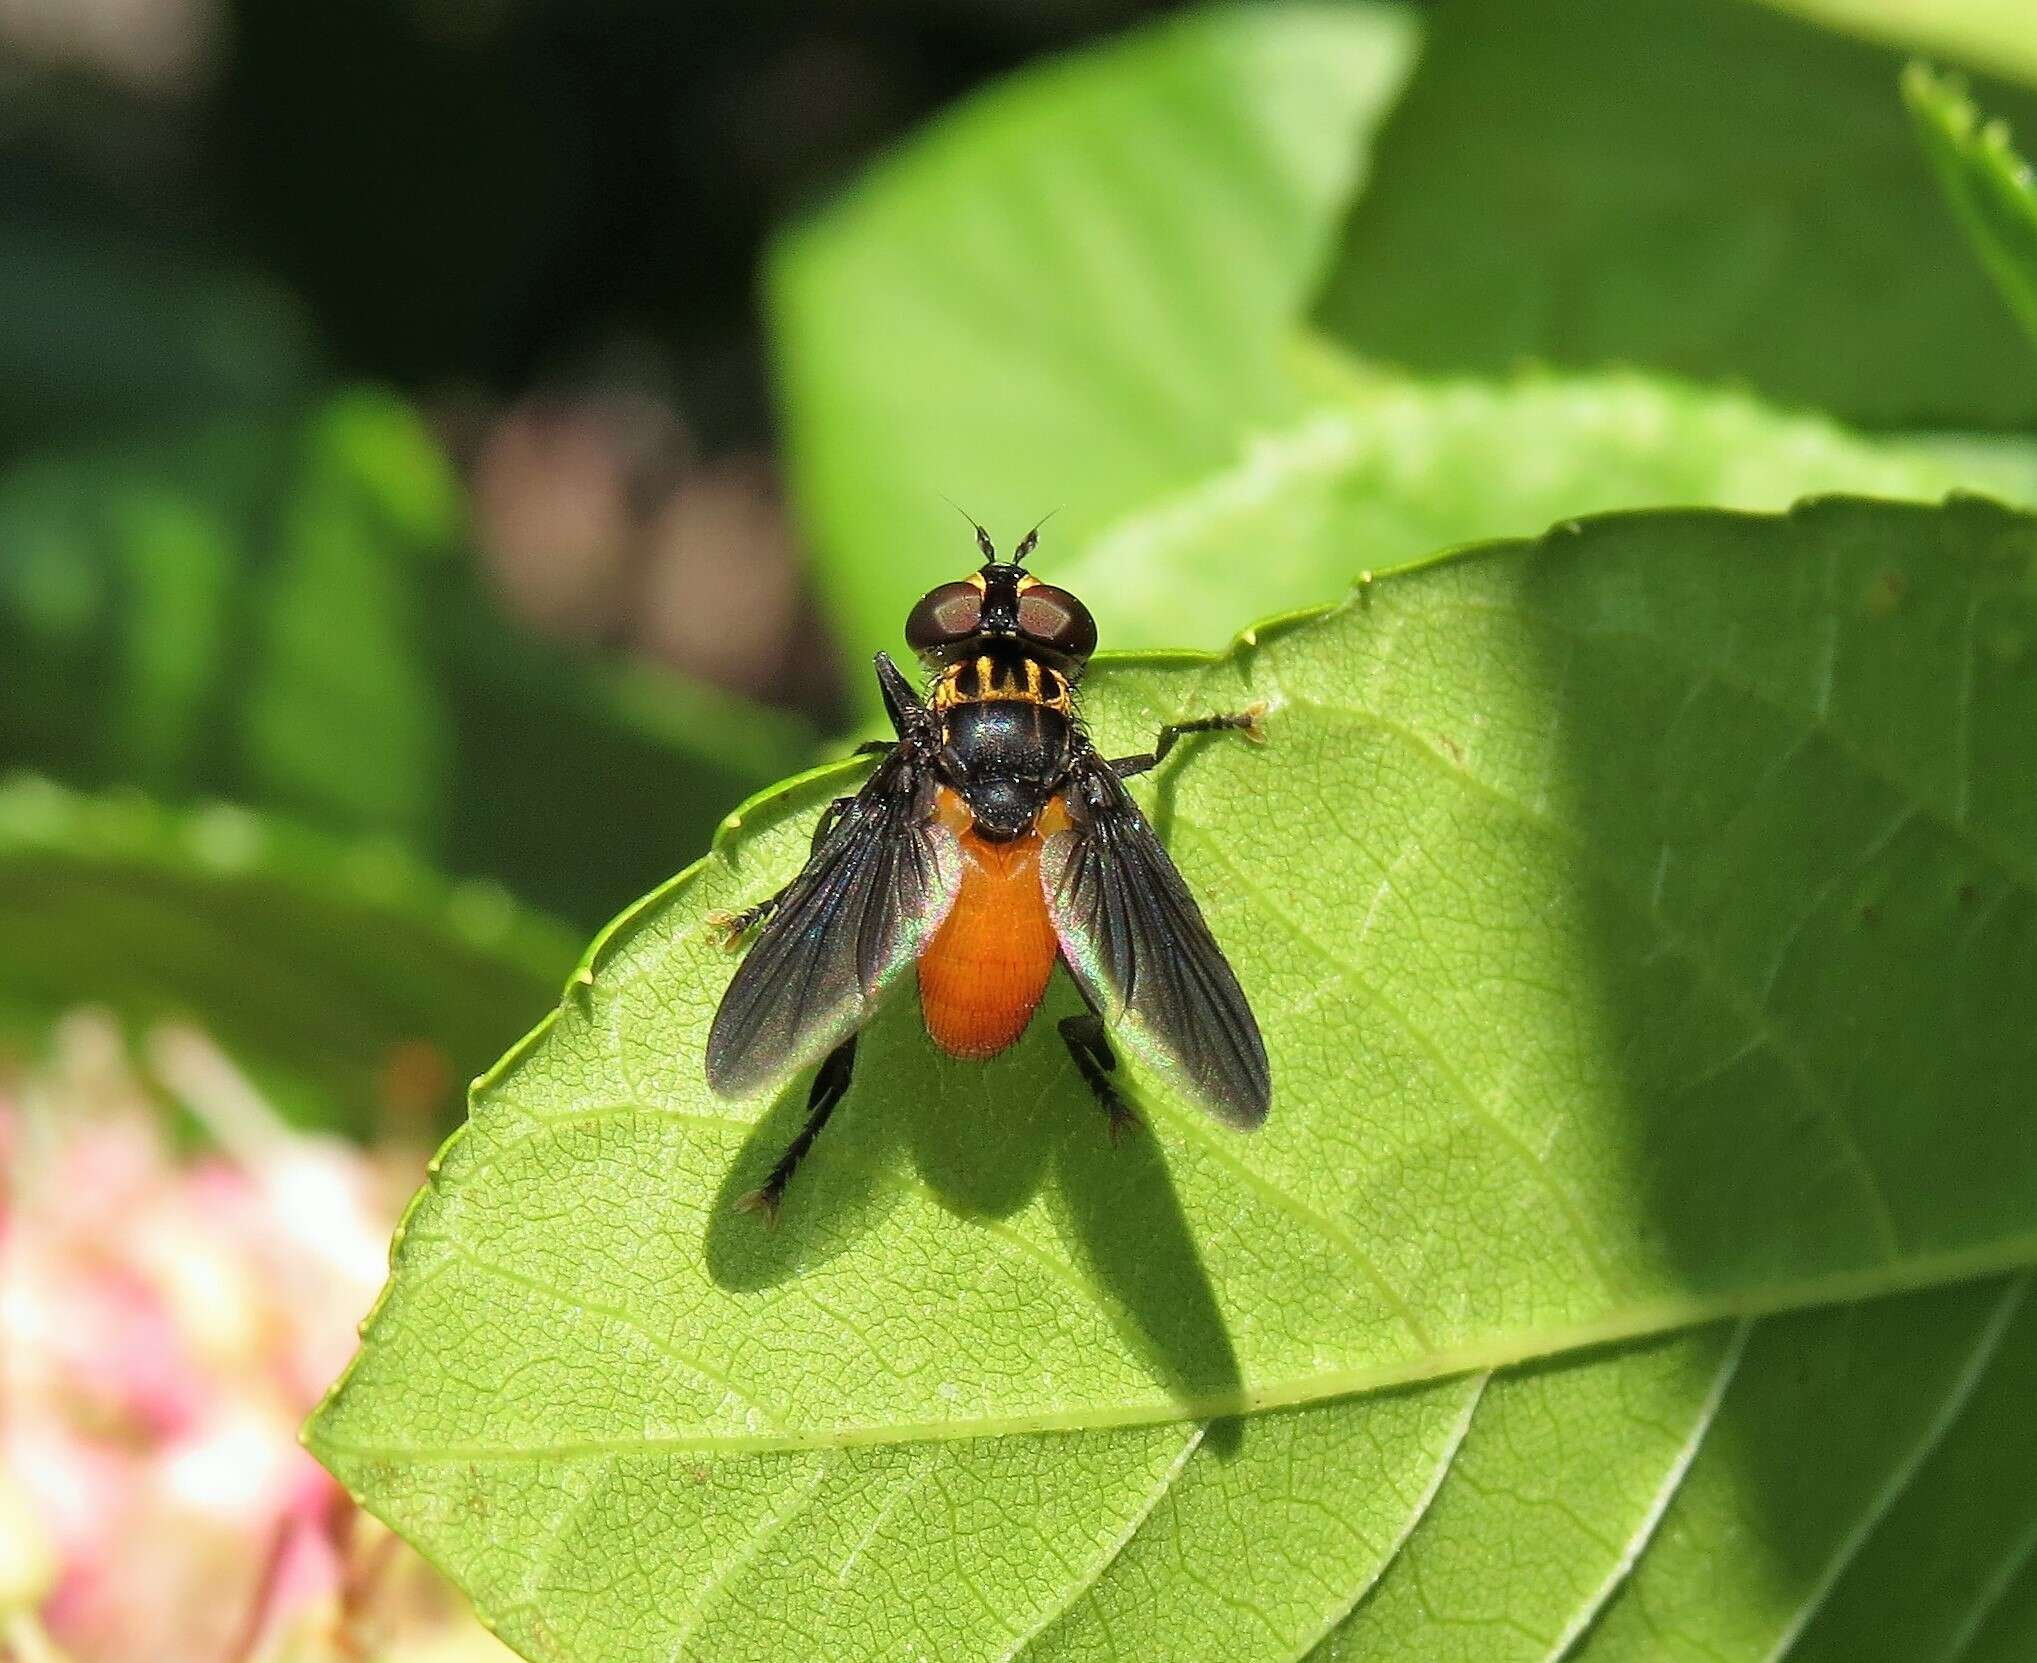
1056, 620
951, 613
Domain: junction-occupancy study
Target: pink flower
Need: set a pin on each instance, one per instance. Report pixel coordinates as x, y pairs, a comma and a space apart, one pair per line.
168, 1321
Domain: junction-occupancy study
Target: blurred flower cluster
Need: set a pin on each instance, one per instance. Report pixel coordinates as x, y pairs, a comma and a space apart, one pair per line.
599, 519
180, 1278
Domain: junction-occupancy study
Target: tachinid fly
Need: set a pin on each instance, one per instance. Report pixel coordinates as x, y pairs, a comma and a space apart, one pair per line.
991, 840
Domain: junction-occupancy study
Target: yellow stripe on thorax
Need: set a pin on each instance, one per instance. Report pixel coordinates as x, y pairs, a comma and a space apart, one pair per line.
974, 680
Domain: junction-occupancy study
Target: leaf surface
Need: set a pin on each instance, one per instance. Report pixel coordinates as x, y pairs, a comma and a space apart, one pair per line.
1940, 1562
1558, 1488
1829, 1421
1275, 1528
1990, 34
1591, 893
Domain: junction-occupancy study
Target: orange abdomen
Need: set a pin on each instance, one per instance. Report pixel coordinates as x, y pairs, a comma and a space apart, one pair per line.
984, 972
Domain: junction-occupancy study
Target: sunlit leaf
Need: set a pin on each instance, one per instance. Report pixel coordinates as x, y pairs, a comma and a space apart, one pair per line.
1621, 910
1558, 1488
1381, 469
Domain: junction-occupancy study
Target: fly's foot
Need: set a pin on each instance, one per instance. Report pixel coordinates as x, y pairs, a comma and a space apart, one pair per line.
765, 1201
727, 929
1252, 721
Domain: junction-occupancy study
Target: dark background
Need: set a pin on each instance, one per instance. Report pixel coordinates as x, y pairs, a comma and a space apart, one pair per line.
539, 219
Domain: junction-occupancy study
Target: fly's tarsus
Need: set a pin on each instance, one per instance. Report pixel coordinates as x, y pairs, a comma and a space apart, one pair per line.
1095, 1061
727, 929
1248, 723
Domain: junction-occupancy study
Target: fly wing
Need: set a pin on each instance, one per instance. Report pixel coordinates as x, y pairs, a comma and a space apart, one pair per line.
860, 910
1134, 938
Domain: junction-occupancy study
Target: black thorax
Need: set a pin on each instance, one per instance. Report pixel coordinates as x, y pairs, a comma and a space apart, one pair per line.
1006, 735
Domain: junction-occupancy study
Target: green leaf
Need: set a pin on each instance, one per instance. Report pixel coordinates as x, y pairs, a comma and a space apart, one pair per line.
1990, 187
1070, 295
274, 613
1569, 1464
1274, 1526
1081, 291
234, 615
1380, 470
344, 978
1620, 909
1959, 1530
1696, 186
1991, 34
1825, 1429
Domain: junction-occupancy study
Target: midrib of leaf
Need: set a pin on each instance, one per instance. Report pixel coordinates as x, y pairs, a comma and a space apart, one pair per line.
1639, 1323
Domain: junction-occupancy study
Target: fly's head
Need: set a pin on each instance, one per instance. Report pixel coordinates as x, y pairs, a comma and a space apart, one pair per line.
1002, 601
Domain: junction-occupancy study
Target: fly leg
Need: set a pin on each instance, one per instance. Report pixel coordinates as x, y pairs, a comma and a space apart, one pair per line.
828, 1086
729, 928
1245, 721
1095, 1061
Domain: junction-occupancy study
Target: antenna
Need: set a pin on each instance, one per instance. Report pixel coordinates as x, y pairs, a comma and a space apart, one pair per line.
983, 541
1030, 540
